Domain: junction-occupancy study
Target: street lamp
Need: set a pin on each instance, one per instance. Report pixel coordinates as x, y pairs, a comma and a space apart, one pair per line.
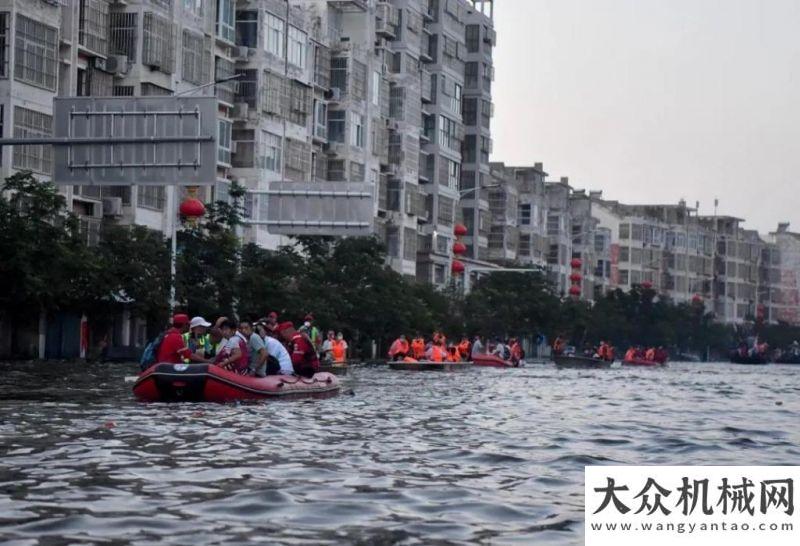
462, 193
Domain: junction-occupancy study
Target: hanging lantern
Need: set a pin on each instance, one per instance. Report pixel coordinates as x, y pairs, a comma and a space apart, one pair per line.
460, 230
575, 290
459, 248
457, 267
192, 208
647, 285
697, 299
576, 277
576, 263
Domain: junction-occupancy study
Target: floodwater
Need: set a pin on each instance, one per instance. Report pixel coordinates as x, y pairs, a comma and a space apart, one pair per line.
481, 456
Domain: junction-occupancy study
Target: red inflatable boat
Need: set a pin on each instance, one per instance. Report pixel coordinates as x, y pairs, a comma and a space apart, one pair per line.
641, 362
209, 383
491, 361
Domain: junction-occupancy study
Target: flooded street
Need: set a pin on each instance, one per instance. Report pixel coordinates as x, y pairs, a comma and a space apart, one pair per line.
484, 456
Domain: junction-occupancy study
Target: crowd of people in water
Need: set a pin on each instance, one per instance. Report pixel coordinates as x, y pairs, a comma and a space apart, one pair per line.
263, 347
438, 349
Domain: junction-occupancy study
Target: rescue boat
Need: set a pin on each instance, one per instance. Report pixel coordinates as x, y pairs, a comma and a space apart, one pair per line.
756, 360
492, 361
574, 361
642, 362
425, 365
208, 383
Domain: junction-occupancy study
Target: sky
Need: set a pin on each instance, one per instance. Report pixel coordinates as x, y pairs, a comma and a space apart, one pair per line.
652, 101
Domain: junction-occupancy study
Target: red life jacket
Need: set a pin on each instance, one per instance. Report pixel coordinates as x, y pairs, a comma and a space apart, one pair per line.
305, 360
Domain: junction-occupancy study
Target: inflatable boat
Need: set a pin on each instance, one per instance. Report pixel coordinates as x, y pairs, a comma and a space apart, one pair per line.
642, 362
757, 360
208, 383
564, 361
491, 361
424, 365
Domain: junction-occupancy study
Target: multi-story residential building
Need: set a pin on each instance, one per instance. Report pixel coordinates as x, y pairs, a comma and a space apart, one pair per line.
783, 272
558, 232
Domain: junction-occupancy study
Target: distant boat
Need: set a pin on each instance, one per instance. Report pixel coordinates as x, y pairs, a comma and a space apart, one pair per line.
737, 358
788, 358
426, 365
563, 361
492, 361
642, 362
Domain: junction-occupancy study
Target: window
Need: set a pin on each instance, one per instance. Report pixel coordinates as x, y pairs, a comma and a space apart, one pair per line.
224, 142
438, 274
356, 172
553, 224
473, 34
470, 112
339, 74
336, 170
93, 25
320, 119
623, 276
196, 58
625, 254
247, 28
442, 244
272, 93
153, 90
223, 69
448, 133
226, 15
359, 73
486, 149
3, 45
35, 53
157, 45
297, 160
471, 75
393, 241
336, 125
322, 66
445, 212
356, 129
376, 88
299, 103
410, 244
469, 151
28, 124
274, 28
150, 197
124, 34
525, 214
452, 174
270, 151
298, 47
487, 111
455, 99
624, 232
195, 7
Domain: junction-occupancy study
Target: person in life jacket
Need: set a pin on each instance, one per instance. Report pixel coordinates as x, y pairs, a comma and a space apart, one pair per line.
198, 340
399, 348
630, 354
305, 360
271, 324
650, 354
172, 349
235, 355
314, 335
436, 353
452, 354
339, 349
418, 347
558, 346
661, 355
517, 354
602, 351
464, 347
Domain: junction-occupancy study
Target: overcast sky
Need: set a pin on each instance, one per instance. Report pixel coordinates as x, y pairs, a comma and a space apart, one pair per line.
656, 100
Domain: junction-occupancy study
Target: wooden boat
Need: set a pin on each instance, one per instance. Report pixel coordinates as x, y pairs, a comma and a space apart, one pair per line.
425, 365
642, 362
755, 360
563, 361
492, 361
336, 369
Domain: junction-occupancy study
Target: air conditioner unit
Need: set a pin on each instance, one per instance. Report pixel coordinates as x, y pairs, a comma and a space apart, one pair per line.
100, 64
112, 206
116, 64
241, 110
234, 146
336, 94
241, 53
97, 210
490, 36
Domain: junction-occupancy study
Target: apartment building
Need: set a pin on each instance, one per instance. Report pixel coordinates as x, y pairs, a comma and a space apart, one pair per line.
782, 264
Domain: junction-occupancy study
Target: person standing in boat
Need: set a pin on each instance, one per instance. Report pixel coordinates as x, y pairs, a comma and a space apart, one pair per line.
339, 349
327, 347
399, 348
437, 352
305, 360
464, 348
477, 348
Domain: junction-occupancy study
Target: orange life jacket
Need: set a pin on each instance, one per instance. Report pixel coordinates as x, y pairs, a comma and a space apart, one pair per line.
452, 355
463, 349
399, 347
438, 354
418, 348
650, 354
338, 350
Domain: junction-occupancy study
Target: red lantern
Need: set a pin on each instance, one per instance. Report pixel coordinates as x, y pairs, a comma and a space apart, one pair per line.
192, 208
576, 277
459, 248
460, 230
576, 263
697, 299
457, 268
647, 285
575, 290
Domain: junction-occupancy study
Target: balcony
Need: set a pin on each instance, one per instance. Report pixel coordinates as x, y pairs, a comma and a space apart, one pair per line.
348, 5
387, 20
427, 86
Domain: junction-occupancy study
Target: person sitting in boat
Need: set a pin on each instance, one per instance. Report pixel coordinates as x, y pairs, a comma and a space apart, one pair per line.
604, 352
234, 355
399, 348
477, 347
464, 348
327, 347
452, 354
650, 354
198, 340
500, 350
255, 347
630, 354
517, 354
271, 325
437, 352
305, 360
418, 347
339, 349
172, 349
661, 355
